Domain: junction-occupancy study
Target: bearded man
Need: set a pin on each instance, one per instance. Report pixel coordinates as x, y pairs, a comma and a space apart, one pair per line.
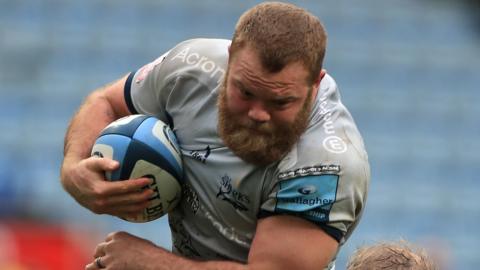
283, 175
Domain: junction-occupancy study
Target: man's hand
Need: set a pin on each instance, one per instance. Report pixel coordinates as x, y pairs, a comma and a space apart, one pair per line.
123, 251
85, 181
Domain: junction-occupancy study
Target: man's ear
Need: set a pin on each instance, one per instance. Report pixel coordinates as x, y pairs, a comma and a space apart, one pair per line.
316, 83
322, 74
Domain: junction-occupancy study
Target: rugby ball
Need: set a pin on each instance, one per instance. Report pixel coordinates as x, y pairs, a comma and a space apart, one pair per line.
145, 147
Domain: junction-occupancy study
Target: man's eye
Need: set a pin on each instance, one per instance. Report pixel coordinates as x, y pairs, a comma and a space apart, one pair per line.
280, 104
246, 93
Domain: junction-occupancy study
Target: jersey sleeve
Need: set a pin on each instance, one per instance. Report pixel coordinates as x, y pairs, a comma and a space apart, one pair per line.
146, 89
325, 178
174, 77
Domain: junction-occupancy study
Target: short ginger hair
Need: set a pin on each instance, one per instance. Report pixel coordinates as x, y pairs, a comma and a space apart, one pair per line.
281, 34
390, 256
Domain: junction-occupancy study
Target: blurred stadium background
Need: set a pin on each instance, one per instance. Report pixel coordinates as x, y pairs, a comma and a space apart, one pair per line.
408, 70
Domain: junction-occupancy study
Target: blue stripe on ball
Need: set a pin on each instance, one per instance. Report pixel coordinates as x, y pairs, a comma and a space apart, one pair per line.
127, 129
139, 150
120, 144
145, 134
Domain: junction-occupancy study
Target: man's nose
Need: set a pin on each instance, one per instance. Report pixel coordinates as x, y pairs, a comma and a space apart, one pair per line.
258, 113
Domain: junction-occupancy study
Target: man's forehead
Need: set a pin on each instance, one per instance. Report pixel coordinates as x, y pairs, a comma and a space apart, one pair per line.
274, 89
287, 82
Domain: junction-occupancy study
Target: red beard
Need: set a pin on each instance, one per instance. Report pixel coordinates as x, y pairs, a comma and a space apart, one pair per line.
259, 143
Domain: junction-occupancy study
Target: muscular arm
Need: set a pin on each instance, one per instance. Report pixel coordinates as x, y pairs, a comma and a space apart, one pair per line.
286, 242
83, 176
99, 109
281, 242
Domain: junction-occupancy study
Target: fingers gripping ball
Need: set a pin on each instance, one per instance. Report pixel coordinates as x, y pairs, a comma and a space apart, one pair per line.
145, 147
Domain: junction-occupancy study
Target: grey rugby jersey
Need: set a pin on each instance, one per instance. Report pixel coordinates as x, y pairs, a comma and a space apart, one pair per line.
323, 179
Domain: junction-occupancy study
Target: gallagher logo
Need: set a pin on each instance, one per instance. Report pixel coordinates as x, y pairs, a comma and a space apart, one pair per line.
306, 190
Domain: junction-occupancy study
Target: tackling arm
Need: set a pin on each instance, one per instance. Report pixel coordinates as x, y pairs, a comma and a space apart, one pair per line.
281, 242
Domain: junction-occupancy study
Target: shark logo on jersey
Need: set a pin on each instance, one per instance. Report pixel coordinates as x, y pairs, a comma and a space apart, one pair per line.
201, 155
227, 193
